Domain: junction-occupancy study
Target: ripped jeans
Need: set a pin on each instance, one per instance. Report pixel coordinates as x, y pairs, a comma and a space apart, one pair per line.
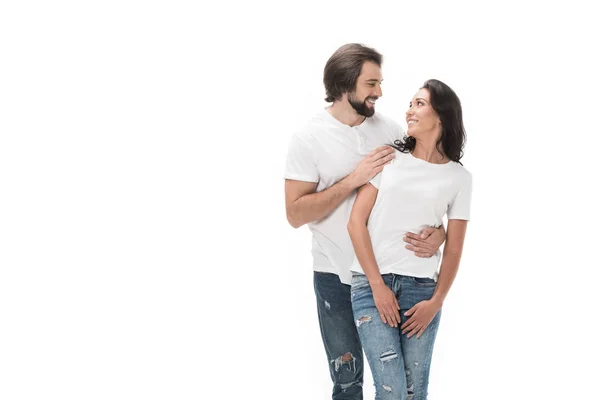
340, 338
400, 366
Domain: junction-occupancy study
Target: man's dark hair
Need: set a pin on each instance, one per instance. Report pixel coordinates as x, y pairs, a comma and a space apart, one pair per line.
343, 69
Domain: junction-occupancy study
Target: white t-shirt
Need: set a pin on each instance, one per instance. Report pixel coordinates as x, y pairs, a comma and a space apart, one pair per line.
413, 195
326, 151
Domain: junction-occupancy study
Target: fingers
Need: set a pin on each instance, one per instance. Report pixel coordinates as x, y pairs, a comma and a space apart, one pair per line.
421, 331
418, 253
381, 152
415, 239
413, 332
382, 315
410, 312
418, 247
388, 316
389, 311
382, 149
396, 314
410, 327
391, 315
427, 232
384, 160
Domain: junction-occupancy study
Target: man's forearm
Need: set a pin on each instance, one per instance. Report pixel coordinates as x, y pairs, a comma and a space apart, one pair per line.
315, 206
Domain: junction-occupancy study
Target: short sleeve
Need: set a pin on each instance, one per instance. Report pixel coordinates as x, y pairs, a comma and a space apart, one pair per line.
460, 208
376, 181
300, 164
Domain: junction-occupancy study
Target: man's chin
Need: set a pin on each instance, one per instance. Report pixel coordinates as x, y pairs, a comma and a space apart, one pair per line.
365, 109
368, 112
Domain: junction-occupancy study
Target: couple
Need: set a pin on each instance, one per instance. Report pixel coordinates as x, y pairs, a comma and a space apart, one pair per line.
374, 291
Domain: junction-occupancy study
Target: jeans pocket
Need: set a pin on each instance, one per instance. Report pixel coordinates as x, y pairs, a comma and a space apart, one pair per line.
359, 281
423, 281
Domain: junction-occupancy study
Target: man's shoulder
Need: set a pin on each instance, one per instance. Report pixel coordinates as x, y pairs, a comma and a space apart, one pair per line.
310, 130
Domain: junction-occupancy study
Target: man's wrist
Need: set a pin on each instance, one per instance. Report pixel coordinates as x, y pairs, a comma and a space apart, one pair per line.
351, 181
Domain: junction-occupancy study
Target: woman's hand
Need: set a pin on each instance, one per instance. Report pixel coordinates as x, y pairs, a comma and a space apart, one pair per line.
421, 315
386, 304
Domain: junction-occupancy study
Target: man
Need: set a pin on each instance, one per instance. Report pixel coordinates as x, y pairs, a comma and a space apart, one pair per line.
338, 151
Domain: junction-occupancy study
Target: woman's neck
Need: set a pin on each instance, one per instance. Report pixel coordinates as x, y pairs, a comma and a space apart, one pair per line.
426, 150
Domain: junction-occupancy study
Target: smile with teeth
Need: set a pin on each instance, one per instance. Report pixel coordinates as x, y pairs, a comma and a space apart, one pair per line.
372, 101
412, 121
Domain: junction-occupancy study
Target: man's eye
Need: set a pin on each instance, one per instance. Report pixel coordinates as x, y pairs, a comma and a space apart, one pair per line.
372, 84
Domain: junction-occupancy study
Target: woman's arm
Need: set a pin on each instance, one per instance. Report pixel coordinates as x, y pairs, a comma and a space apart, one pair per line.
385, 300
455, 238
422, 313
357, 228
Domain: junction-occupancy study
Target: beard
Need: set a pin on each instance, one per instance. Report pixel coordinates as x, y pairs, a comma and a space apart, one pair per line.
361, 107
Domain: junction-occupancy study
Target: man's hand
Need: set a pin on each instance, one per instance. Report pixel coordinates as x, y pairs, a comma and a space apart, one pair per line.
372, 164
427, 243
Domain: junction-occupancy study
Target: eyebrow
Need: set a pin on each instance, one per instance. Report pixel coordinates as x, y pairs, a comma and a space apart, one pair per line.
420, 98
374, 80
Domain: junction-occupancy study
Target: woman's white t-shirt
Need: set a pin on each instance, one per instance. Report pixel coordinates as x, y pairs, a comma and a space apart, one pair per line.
413, 195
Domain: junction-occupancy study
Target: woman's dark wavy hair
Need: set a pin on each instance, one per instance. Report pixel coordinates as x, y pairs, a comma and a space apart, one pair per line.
343, 69
446, 104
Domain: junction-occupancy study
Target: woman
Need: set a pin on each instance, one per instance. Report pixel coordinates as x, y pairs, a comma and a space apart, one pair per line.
397, 296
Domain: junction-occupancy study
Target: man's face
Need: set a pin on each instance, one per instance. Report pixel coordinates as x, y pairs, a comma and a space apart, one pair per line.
367, 91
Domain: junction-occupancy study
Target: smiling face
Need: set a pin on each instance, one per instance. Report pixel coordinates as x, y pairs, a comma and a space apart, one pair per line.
421, 117
367, 90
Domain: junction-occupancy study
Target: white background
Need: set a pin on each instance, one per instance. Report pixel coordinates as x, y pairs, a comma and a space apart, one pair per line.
144, 250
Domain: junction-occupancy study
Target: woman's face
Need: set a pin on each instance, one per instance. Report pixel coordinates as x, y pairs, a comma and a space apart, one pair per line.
420, 117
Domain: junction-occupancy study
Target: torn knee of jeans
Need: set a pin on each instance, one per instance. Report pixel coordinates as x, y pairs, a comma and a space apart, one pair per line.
327, 305
345, 359
387, 388
362, 320
388, 355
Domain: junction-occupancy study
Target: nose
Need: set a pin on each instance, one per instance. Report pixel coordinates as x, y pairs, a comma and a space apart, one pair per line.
378, 91
409, 111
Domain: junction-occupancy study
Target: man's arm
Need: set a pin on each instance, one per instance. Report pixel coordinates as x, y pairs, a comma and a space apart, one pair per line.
304, 205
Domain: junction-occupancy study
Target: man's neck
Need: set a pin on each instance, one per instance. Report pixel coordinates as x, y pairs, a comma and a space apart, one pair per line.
345, 113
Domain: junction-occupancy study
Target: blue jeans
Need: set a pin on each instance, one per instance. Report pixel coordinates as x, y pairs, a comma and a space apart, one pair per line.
400, 366
342, 344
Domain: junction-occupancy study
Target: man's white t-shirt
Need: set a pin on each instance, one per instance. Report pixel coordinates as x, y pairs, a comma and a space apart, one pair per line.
326, 151
414, 194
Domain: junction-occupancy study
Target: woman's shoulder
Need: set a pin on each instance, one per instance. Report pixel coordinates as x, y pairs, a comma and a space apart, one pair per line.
461, 172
